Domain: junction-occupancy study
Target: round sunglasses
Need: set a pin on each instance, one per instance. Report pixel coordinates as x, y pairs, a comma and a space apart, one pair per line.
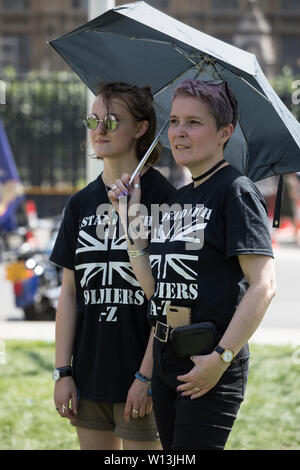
110, 121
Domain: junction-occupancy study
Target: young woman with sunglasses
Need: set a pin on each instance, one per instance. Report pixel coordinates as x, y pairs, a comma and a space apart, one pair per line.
217, 266
103, 339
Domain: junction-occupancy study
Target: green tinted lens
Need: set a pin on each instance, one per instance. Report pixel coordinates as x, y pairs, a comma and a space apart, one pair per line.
91, 121
110, 122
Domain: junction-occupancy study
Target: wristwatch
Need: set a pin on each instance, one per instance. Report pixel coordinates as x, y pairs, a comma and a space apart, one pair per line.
60, 372
226, 355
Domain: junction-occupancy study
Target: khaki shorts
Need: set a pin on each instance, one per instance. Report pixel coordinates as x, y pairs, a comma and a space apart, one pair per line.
110, 417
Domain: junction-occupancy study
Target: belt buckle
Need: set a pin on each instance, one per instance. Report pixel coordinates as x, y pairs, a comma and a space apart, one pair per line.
163, 329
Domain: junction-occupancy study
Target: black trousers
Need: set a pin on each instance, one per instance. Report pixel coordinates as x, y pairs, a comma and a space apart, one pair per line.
203, 423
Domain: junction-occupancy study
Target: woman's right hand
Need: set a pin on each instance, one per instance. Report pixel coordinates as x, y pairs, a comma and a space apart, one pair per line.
121, 188
65, 394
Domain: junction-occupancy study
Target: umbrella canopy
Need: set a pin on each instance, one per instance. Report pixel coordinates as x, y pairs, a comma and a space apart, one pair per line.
138, 44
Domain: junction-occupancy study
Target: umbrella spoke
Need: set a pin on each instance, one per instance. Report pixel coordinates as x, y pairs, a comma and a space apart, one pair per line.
253, 88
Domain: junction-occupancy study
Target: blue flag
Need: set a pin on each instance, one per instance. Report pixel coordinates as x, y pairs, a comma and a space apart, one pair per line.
11, 189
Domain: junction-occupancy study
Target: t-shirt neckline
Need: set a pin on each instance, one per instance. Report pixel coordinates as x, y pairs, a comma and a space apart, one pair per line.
210, 178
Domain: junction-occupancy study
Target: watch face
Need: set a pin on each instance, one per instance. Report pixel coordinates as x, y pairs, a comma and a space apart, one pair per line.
227, 355
56, 374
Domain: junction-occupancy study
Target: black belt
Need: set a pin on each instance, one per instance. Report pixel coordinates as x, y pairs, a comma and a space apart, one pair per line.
163, 332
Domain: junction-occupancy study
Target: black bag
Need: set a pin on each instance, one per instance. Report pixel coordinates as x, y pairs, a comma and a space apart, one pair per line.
194, 339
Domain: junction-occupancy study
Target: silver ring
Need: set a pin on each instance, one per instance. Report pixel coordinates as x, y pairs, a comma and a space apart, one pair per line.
197, 389
114, 186
135, 411
63, 408
136, 186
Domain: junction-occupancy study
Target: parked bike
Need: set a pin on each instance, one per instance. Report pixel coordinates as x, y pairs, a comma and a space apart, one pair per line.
36, 281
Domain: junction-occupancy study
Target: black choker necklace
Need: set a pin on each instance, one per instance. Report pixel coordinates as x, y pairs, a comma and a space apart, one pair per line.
198, 178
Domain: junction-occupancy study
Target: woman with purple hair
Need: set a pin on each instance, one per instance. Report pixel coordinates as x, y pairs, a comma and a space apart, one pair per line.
213, 263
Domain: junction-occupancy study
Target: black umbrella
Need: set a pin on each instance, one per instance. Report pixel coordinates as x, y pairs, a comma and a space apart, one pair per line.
138, 44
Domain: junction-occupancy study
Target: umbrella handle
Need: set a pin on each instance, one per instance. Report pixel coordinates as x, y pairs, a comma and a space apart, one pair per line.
145, 157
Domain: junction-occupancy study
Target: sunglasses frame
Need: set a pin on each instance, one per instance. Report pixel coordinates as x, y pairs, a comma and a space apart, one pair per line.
104, 120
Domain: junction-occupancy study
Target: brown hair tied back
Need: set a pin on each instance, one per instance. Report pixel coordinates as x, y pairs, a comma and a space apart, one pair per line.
140, 104
147, 89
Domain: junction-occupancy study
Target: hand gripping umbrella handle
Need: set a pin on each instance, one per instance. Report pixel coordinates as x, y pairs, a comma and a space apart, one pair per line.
147, 154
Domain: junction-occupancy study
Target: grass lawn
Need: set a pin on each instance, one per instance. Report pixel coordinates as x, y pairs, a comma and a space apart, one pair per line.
269, 418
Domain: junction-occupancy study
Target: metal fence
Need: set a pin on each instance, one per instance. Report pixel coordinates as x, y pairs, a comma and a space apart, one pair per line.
42, 116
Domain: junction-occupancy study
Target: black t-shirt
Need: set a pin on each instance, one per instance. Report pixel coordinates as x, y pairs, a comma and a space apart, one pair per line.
112, 329
194, 254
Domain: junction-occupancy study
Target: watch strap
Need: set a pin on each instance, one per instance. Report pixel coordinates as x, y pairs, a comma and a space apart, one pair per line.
219, 349
64, 371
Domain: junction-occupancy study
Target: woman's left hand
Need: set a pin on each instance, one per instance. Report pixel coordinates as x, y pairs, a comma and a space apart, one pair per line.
203, 376
138, 401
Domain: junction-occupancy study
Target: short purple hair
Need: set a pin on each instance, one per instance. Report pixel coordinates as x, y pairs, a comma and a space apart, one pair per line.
220, 99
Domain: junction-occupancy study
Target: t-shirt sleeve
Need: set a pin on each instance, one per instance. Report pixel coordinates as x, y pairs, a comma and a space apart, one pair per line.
63, 252
247, 226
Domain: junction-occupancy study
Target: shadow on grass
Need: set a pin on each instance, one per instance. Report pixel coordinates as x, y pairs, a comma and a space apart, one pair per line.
42, 363
29, 360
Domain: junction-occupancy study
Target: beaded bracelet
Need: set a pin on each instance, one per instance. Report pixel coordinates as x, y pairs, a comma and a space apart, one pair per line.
146, 380
142, 377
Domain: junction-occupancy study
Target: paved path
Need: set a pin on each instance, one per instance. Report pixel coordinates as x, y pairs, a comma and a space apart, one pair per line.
44, 331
